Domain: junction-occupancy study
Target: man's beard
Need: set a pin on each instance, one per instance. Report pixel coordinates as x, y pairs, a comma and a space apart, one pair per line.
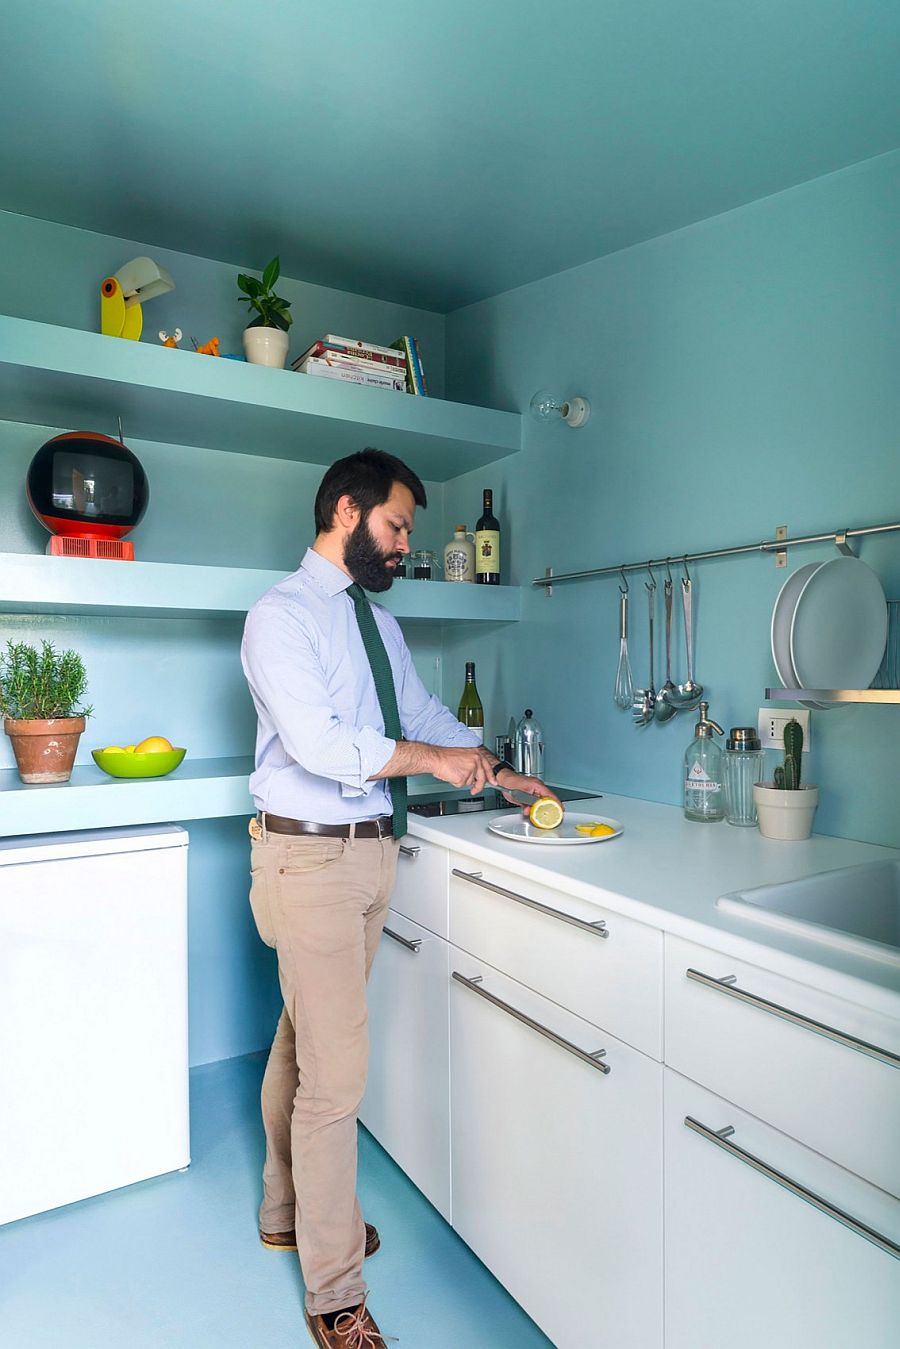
365, 561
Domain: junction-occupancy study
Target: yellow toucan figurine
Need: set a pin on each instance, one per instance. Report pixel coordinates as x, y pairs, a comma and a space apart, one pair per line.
121, 296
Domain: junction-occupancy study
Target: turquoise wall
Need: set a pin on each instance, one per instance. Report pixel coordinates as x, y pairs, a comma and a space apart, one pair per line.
182, 677
742, 374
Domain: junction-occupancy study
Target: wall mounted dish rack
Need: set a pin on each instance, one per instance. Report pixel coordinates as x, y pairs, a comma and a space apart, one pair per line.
779, 546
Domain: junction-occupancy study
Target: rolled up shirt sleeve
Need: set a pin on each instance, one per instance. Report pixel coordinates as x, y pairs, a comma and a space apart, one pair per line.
290, 690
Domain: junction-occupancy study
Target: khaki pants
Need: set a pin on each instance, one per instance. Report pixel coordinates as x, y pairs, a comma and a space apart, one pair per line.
321, 902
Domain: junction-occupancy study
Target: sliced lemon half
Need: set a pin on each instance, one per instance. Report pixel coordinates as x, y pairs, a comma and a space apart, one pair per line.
545, 812
595, 830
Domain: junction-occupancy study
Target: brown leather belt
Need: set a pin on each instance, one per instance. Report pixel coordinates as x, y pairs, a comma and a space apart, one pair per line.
379, 828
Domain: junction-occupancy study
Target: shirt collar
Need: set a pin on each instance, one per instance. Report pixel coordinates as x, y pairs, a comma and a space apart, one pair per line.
326, 575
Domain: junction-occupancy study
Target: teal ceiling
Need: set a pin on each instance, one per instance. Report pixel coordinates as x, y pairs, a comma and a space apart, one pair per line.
431, 152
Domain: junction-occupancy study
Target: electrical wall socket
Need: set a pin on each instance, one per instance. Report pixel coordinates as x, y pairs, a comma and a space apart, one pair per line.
772, 722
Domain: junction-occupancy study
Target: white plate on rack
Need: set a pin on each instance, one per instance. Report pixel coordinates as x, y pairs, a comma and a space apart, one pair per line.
782, 618
839, 626
516, 827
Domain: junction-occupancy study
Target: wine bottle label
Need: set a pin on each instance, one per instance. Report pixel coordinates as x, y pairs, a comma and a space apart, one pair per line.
479, 731
487, 550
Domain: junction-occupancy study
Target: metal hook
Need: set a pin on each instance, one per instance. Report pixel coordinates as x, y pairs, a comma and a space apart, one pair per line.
625, 579
687, 574
668, 572
652, 585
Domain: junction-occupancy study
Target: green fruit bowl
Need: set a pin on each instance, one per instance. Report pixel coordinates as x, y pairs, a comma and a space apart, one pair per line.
118, 764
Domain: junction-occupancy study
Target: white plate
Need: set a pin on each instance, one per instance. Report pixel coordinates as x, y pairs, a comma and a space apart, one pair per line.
518, 828
782, 617
839, 627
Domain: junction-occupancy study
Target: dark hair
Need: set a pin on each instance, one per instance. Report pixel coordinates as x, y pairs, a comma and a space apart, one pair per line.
367, 477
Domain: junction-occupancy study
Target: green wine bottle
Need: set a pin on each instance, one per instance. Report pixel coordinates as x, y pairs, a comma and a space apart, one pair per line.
471, 712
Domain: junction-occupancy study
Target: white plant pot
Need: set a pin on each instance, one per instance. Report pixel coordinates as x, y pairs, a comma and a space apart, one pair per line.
266, 346
785, 815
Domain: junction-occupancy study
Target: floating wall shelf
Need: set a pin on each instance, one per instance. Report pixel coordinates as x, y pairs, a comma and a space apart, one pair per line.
883, 696
65, 377
200, 789
36, 584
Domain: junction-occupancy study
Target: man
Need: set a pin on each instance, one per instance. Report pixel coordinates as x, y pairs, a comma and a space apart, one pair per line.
343, 718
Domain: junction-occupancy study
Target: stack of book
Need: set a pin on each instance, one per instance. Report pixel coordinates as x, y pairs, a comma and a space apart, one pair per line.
356, 362
347, 358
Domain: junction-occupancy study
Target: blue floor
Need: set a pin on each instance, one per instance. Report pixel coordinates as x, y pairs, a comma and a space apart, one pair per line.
175, 1263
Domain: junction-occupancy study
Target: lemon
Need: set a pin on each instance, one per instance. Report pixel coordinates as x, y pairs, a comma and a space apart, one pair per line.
113, 749
545, 812
595, 830
154, 744
129, 749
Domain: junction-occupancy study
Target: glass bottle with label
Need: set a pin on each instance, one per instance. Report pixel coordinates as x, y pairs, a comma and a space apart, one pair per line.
470, 711
487, 544
704, 772
459, 556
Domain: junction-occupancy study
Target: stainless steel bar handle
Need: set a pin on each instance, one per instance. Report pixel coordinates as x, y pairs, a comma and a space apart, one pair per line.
410, 945
410, 850
599, 929
593, 1059
718, 1137
727, 985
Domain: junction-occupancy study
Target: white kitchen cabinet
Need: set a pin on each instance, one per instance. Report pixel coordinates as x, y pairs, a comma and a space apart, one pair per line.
594, 962
750, 1263
420, 890
556, 1162
407, 1101
817, 1067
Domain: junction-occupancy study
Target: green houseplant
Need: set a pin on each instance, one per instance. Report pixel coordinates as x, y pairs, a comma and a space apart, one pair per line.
266, 335
785, 808
40, 693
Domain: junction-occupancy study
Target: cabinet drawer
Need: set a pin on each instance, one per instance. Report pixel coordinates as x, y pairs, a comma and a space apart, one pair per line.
407, 1101
420, 890
801, 1059
597, 964
556, 1161
758, 1259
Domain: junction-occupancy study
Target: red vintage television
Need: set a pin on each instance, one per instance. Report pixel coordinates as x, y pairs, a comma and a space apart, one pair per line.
89, 491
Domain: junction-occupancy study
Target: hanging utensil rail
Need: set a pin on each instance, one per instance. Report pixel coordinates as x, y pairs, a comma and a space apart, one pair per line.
838, 537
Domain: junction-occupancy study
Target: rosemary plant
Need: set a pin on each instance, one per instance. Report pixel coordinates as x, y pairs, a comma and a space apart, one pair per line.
39, 685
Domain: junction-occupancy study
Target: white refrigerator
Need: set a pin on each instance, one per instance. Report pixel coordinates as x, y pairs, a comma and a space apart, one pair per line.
93, 1013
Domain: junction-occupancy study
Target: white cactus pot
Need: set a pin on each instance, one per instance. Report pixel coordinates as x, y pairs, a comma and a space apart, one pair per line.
266, 346
785, 815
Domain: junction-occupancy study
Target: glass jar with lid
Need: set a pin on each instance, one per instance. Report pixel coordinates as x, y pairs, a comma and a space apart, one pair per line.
744, 767
424, 564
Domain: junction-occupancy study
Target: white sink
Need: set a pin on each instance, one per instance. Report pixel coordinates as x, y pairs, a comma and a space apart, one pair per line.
854, 908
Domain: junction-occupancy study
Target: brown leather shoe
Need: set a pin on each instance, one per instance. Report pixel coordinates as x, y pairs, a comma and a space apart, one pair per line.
354, 1329
287, 1241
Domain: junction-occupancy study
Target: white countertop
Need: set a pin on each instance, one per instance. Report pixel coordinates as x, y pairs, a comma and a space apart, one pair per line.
668, 872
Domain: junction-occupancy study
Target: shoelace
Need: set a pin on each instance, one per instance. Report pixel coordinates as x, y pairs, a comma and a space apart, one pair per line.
352, 1326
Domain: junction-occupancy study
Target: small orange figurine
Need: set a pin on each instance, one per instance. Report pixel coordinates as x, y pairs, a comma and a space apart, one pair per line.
170, 339
210, 348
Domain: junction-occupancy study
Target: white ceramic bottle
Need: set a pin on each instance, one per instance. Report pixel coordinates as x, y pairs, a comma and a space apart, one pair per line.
459, 557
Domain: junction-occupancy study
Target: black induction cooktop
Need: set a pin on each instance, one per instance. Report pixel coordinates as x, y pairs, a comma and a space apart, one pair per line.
459, 801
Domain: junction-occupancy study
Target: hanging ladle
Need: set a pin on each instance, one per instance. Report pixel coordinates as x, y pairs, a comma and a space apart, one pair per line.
664, 709
688, 694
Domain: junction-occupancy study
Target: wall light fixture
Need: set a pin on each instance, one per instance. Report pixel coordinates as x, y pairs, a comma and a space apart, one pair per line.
574, 411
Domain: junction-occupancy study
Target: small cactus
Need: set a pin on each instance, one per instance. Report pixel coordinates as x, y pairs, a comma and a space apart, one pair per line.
778, 777
793, 749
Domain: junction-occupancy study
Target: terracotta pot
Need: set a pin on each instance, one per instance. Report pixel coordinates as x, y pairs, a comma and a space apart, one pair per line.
45, 750
266, 346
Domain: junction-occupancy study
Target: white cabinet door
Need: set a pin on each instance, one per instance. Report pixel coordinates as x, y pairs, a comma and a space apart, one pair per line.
420, 890
407, 1101
556, 1165
751, 1263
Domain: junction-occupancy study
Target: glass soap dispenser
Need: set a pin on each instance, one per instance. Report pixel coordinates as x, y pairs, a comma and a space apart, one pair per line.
704, 776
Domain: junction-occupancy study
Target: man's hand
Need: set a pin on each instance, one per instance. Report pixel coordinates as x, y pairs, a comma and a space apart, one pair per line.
518, 782
465, 766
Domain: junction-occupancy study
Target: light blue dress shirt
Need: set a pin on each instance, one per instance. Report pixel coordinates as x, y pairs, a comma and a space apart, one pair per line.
321, 733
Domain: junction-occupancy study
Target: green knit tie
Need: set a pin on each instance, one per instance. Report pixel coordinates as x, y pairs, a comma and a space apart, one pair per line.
387, 695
